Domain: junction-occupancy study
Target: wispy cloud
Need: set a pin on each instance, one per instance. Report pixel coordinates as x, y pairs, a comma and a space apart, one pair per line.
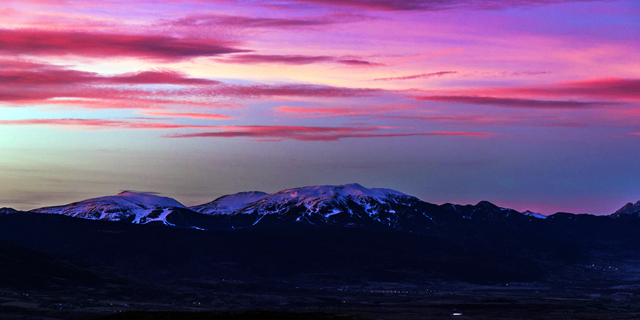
217, 20
35, 42
289, 90
563, 124
100, 124
259, 132
427, 5
342, 111
302, 133
292, 60
19, 74
590, 93
190, 115
599, 88
419, 76
156, 77
357, 62
28, 83
516, 103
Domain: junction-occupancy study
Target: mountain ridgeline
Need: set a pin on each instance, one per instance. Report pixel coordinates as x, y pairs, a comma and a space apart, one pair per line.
349, 205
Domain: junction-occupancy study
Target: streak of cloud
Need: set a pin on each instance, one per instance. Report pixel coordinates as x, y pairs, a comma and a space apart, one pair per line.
301, 133
207, 20
292, 60
515, 103
17, 75
289, 90
598, 88
35, 42
190, 115
341, 112
419, 76
429, 5
100, 124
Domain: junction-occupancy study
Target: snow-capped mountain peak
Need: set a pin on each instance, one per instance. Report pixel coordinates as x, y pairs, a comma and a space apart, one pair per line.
227, 204
126, 206
331, 203
147, 199
347, 190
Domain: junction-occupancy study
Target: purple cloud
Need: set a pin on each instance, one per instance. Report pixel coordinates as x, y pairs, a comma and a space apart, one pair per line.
516, 103
418, 76
105, 45
302, 133
291, 59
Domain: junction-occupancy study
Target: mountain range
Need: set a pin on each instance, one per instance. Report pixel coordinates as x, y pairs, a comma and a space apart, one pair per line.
350, 205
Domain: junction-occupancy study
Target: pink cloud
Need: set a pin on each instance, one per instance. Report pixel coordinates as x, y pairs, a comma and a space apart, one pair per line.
271, 133
252, 22
423, 56
101, 45
378, 112
564, 124
348, 111
356, 62
26, 82
25, 74
601, 88
476, 119
419, 76
608, 89
100, 124
301, 133
515, 102
101, 100
291, 60
156, 77
23, 83
279, 59
291, 90
429, 5
187, 115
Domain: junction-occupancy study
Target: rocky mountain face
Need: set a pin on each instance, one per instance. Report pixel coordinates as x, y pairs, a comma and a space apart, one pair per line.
7, 210
629, 210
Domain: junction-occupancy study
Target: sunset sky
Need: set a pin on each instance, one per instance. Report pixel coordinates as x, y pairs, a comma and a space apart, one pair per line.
529, 104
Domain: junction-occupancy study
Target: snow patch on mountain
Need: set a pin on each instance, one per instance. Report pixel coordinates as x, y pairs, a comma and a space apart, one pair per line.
229, 203
333, 198
148, 199
127, 206
534, 215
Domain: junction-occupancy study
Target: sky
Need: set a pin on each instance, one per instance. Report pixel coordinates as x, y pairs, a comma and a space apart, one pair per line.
530, 104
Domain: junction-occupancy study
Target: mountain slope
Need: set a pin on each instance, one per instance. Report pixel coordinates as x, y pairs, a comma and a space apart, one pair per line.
350, 205
629, 210
229, 203
126, 206
7, 210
